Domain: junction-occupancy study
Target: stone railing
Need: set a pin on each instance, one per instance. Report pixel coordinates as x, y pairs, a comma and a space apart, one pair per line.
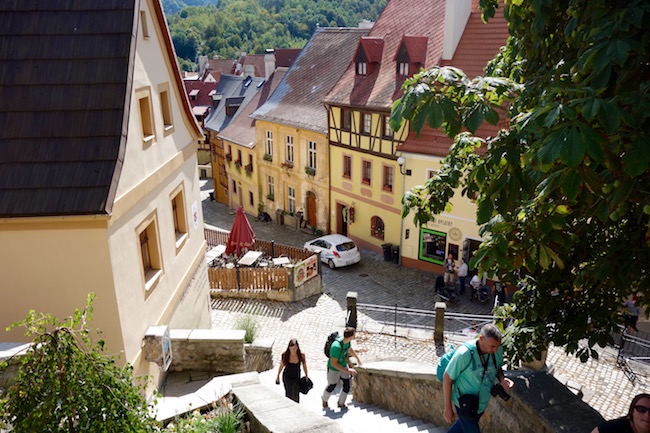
537, 399
259, 355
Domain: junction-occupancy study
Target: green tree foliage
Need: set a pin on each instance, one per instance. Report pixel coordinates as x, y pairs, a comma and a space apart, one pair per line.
66, 384
564, 189
231, 26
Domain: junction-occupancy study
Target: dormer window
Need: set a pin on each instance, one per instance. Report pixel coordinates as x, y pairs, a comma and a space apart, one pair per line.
403, 69
369, 53
410, 55
362, 68
193, 94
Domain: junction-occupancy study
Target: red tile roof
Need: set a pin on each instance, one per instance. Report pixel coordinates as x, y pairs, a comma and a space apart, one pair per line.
202, 90
416, 47
378, 90
479, 43
373, 48
298, 99
284, 57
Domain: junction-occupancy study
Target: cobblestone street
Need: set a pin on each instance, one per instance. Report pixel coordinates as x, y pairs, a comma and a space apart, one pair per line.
603, 384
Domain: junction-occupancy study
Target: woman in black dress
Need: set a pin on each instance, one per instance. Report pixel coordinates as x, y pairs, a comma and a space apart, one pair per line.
290, 362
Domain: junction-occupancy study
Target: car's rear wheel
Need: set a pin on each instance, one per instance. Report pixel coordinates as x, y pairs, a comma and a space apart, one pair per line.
331, 264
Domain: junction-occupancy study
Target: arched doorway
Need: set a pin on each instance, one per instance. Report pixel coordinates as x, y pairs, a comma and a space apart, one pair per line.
311, 209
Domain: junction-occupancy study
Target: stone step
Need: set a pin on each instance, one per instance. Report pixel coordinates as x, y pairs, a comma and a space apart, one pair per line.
357, 417
375, 419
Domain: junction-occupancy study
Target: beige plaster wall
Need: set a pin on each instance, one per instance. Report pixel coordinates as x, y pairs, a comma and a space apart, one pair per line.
367, 200
295, 177
139, 308
461, 217
153, 68
50, 265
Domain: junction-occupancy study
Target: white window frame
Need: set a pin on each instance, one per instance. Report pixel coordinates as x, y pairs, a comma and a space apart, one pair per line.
289, 149
269, 143
404, 69
367, 123
311, 154
270, 185
291, 200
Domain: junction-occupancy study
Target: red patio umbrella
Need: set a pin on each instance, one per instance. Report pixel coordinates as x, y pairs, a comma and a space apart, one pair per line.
241, 234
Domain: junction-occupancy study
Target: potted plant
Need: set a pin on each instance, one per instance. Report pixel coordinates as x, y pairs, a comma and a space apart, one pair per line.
310, 171
287, 165
249, 169
270, 196
268, 157
238, 164
228, 158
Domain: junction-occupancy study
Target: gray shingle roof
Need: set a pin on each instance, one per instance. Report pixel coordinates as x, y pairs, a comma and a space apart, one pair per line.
64, 68
231, 86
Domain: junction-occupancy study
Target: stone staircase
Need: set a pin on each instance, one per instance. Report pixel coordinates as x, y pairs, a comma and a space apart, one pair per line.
357, 417
363, 418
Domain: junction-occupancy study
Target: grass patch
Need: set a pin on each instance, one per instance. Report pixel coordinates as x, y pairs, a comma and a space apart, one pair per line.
249, 324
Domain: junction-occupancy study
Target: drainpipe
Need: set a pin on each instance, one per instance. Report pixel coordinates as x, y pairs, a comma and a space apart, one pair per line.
400, 162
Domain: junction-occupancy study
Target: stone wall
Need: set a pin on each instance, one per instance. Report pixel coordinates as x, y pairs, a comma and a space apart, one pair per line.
259, 355
538, 399
210, 350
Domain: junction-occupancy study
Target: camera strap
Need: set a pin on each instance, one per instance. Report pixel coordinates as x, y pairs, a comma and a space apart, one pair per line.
486, 361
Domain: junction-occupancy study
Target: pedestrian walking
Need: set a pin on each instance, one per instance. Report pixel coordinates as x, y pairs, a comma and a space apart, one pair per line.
474, 283
636, 421
290, 362
450, 266
462, 275
337, 367
468, 381
632, 314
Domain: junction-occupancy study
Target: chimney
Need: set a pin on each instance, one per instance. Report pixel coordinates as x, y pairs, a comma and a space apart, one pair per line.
456, 15
366, 24
269, 63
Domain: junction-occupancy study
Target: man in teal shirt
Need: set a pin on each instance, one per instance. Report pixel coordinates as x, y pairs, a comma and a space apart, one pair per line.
472, 370
337, 368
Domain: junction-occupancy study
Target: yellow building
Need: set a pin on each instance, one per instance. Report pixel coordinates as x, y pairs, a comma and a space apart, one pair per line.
100, 189
454, 232
291, 131
241, 156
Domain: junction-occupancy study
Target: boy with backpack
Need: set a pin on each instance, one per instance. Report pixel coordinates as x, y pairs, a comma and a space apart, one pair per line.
337, 368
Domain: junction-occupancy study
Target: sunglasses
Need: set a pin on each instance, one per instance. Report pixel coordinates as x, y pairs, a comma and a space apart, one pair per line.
641, 409
293, 344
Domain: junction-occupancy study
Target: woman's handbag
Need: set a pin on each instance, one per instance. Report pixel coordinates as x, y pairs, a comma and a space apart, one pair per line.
468, 406
305, 385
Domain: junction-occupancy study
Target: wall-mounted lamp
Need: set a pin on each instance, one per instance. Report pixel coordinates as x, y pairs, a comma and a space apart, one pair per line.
401, 162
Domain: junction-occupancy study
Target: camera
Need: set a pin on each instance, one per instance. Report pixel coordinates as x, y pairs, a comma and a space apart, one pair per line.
497, 390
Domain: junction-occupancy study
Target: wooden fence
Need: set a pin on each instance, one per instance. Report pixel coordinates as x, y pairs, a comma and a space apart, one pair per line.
250, 279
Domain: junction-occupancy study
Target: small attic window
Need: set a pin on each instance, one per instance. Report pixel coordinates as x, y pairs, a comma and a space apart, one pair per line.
403, 69
261, 83
248, 81
193, 94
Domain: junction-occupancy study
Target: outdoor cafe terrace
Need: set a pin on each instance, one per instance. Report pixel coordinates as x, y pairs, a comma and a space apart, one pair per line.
265, 270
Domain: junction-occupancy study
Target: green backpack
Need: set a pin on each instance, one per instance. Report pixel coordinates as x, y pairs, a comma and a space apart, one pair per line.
444, 360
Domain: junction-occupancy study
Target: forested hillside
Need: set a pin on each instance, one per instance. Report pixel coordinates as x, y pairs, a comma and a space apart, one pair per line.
231, 26
173, 6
